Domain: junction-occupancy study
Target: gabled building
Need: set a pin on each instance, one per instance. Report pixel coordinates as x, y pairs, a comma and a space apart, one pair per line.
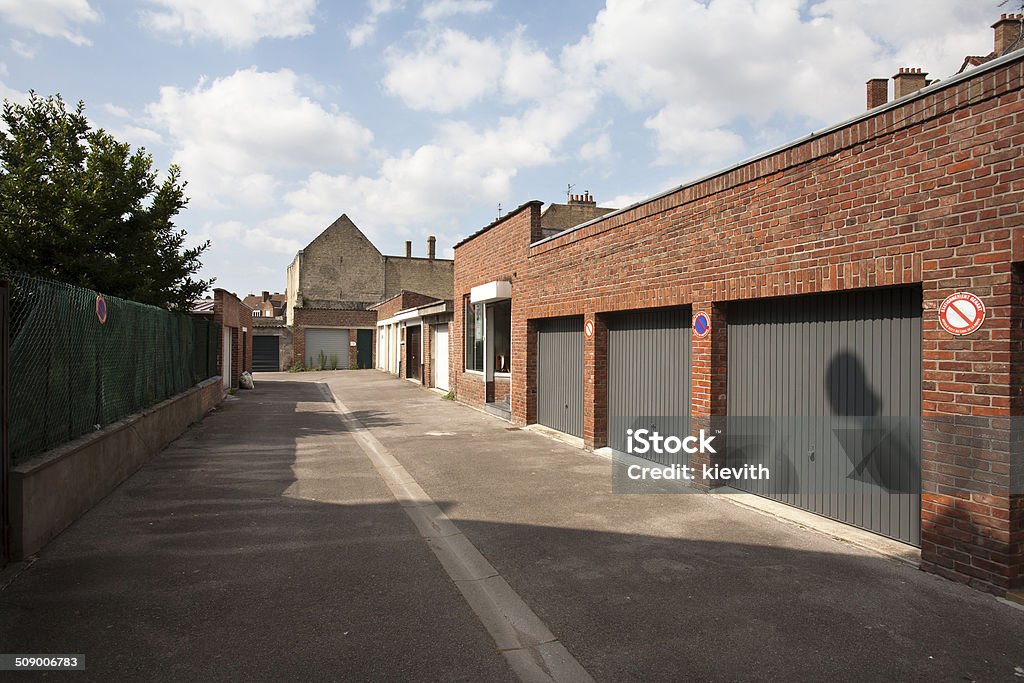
334, 281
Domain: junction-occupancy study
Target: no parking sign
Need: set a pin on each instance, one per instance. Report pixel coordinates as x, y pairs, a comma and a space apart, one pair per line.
961, 313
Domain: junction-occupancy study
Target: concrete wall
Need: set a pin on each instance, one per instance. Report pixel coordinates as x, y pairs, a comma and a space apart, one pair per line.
51, 491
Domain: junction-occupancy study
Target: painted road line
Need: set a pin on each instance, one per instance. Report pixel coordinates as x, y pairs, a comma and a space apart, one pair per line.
528, 645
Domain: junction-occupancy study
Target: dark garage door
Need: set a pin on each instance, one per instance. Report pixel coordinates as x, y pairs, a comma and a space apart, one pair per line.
853, 360
266, 354
560, 374
649, 375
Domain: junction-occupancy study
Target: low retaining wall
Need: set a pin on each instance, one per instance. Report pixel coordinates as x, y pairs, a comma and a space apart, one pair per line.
51, 491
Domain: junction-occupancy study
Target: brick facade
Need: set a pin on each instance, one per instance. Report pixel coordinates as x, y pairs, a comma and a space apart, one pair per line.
345, 320
233, 315
925, 192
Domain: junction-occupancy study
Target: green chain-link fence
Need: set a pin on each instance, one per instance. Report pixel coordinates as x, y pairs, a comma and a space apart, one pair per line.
79, 362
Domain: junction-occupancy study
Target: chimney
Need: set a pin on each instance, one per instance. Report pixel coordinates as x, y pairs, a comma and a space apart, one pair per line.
408, 249
266, 295
431, 247
582, 199
1007, 33
878, 92
908, 81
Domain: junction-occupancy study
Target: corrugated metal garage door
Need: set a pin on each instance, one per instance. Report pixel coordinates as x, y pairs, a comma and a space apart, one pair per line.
333, 344
649, 375
560, 374
853, 358
266, 354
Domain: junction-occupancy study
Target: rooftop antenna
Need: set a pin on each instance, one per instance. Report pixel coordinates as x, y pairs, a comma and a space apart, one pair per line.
568, 191
499, 209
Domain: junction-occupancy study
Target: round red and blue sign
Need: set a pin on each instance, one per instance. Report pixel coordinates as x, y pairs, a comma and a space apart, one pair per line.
701, 324
101, 309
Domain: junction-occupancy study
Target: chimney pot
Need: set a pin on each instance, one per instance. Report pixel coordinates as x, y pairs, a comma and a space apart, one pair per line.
1007, 33
431, 246
908, 80
266, 295
408, 249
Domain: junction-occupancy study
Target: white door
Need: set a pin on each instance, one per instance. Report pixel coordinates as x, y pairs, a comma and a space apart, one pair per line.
225, 368
440, 346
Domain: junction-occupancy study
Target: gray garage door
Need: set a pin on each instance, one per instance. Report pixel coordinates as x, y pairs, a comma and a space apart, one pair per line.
332, 344
560, 374
649, 375
266, 354
852, 361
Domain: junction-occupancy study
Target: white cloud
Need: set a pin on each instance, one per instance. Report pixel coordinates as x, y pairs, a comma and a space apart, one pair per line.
233, 134
452, 70
361, 33
449, 72
51, 18
115, 110
598, 149
138, 136
707, 73
439, 9
23, 49
236, 23
259, 238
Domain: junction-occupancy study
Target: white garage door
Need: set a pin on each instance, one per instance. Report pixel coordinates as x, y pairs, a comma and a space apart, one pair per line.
440, 346
326, 349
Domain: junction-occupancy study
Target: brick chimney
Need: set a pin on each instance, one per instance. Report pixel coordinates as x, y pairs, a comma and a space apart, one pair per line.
408, 249
582, 199
907, 81
1007, 33
431, 246
878, 92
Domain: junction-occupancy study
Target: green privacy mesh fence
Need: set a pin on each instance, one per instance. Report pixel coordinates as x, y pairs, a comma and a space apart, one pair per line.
79, 362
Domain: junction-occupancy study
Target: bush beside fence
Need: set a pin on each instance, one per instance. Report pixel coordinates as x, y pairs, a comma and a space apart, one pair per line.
79, 363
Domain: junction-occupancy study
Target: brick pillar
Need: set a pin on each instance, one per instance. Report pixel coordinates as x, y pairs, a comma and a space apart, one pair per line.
531, 371
595, 383
708, 383
878, 92
970, 515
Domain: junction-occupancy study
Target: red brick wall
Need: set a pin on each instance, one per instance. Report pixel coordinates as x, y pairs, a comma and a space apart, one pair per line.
348, 320
926, 193
401, 302
500, 253
231, 313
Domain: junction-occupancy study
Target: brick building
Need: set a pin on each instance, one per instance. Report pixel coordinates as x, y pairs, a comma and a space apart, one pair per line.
333, 282
412, 338
234, 354
807, 281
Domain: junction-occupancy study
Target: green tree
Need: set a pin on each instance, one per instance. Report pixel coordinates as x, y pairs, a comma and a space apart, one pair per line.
78, 206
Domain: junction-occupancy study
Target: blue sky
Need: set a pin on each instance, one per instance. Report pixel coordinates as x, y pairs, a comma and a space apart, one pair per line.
420, 117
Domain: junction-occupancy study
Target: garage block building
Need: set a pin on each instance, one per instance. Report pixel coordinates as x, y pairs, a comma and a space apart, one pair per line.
817, 271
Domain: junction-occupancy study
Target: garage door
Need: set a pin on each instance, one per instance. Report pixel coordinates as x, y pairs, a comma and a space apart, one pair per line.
560, 374
326, 349
852, 361
649, 376
266, 354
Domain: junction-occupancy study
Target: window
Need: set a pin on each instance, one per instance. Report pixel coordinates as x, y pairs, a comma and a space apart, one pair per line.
501, 344
474, 336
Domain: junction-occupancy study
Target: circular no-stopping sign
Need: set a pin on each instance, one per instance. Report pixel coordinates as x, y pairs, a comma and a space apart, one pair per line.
961, 313
701, 324
588, 329
101, 309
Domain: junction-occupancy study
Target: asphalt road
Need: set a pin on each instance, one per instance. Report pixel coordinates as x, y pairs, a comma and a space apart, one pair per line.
264, 545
